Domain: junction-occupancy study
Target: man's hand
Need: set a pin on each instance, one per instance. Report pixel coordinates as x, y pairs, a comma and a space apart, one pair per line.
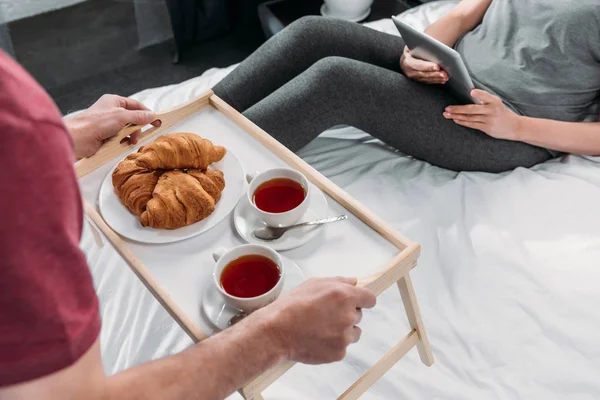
491, 117
421, 70
316, 322
103, 120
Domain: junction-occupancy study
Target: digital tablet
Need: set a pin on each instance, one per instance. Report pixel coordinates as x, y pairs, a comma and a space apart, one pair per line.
429, 49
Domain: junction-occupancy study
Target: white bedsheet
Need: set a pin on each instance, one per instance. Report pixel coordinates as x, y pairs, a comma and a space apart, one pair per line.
507, 283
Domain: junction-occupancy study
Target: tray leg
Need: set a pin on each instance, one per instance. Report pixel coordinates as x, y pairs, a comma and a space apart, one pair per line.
417, 337
382, 366
414, 318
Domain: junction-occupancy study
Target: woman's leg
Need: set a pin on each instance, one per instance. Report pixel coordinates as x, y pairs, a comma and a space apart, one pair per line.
296, 48
405, 114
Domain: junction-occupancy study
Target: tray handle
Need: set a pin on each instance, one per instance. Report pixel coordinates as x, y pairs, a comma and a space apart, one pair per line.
113, 147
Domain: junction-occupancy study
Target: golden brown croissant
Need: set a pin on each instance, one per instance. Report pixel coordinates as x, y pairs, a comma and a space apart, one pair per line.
125, 170
212, 181
176, 193
181, 199
134, 184
180, 151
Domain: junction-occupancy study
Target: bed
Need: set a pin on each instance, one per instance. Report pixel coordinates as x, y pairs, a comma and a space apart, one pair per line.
507, 282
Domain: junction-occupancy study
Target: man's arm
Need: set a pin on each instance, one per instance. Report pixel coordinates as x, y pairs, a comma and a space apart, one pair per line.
313, 324
209, 370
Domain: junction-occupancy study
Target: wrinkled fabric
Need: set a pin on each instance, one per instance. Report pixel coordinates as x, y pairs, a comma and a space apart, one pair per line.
507, 280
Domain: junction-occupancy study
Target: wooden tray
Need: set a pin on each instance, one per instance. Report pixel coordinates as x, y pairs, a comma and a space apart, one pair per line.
394, 269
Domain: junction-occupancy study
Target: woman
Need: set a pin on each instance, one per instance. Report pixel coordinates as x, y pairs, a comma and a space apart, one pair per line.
536, 65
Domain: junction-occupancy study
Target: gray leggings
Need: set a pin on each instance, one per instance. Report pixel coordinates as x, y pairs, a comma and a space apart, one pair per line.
322, 72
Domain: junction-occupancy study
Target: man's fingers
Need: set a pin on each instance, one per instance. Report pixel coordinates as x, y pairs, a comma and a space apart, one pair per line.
132, 104
469, 124
359, 316
364, 298
349, 281
134, 137
136, 117
355, 334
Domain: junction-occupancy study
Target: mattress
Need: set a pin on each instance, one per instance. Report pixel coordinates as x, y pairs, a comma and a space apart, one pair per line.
507, 281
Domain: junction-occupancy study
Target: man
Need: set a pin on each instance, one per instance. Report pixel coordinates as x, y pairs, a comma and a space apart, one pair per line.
49, 319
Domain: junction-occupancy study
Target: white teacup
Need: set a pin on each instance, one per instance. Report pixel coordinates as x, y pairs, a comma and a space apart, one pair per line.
224, 257
285, 218
348, 9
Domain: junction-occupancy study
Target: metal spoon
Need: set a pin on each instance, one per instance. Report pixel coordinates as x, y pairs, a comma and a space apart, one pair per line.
269, 233
237, 318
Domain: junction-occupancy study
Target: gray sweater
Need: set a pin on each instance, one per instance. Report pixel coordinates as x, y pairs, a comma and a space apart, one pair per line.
542, 57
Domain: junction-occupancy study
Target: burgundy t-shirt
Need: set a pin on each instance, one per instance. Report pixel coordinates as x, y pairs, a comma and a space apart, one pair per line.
48, 307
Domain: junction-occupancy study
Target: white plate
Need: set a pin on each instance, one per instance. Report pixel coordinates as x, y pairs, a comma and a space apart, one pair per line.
219, 315
327, 13
246, 221
122, 221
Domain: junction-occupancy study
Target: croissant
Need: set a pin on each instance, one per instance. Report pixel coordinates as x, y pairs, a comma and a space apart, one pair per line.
167, 183
181, 199
180, 151
125, 170
134, 184
212, 181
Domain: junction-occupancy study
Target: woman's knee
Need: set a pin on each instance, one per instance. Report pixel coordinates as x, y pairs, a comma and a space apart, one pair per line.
306, 29
340, 72
320, 33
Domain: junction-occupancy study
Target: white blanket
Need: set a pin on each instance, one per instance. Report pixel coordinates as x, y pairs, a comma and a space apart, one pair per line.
507, 283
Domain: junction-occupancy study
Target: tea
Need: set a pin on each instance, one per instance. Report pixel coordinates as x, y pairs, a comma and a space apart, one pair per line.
279, 195
250, 276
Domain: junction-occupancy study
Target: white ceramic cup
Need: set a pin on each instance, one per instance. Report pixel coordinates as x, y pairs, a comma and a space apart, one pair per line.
223, 257
285, 218
348, 9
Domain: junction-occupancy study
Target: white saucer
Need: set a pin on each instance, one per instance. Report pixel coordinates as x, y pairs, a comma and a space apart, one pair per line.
326, 13
246, 221
219, 314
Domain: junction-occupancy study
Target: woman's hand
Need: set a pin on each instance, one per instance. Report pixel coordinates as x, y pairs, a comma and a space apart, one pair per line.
103, 120
491, 117
421, 70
